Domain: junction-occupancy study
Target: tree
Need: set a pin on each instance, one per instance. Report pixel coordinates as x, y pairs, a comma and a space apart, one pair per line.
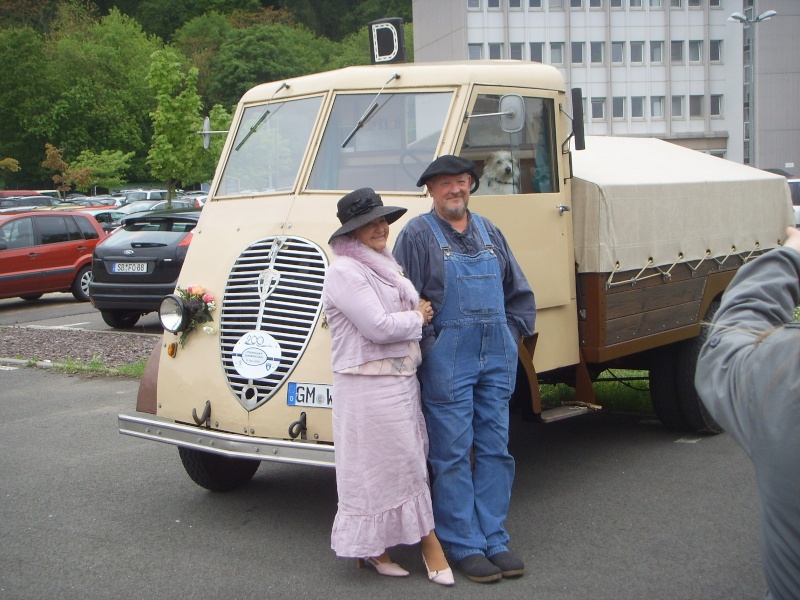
177, 154
65, 177
106, 169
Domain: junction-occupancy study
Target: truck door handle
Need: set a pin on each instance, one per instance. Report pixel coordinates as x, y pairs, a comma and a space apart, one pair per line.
33, 255
562, 208
81, 248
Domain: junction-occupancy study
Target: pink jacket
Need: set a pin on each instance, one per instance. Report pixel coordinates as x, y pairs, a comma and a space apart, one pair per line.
369, 315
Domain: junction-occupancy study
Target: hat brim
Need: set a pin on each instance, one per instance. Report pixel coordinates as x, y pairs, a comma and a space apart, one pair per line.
390, 213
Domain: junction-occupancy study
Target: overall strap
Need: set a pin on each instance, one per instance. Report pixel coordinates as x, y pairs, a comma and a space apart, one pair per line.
484, 234
437, 232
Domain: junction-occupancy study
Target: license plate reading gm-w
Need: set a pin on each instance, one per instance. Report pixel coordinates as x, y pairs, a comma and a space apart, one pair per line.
317, 395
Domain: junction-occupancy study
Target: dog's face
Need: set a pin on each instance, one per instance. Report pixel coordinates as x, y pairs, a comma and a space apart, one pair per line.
502, 166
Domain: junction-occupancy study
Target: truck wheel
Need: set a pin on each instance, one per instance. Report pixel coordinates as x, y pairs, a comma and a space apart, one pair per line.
120, 319
664, 388
80, 287
694, 410
216, 472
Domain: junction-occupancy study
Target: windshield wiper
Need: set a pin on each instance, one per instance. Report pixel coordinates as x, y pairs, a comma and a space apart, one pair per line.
254, 127
371, 109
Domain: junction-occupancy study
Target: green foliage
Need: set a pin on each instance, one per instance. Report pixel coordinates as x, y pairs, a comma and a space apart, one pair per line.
106, 169
263, 53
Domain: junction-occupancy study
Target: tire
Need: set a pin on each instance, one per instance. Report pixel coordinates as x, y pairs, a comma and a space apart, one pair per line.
120, 319
215, 472
80, 287
664, 388
698, 418
31, 297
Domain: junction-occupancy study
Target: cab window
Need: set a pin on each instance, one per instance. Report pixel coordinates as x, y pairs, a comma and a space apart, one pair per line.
511, 163
383, 141
269, 146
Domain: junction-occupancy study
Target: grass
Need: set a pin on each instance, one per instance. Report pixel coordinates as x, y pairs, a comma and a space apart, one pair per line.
617, 390
96, 367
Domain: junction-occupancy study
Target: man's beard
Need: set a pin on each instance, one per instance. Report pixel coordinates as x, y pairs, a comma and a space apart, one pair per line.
454, 213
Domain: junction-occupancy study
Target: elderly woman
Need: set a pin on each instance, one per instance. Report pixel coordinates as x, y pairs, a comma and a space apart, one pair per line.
376, 318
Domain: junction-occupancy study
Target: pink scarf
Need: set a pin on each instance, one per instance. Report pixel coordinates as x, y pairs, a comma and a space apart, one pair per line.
382, 263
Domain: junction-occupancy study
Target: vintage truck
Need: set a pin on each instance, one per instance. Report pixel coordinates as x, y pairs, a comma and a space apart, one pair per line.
628, 244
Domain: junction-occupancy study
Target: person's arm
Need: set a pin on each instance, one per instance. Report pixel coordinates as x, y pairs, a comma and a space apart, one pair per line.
520, 303
744, 365
350, 291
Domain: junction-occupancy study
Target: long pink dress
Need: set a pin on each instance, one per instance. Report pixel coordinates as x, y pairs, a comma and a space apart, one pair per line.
378, 427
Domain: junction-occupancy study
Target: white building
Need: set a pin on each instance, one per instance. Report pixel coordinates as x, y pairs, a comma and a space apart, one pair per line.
678, 70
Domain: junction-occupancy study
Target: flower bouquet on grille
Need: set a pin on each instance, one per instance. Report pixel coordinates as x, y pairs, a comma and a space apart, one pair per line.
200, 304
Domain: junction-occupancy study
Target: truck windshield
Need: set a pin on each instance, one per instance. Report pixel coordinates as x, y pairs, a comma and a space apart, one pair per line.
275, 147
388, 150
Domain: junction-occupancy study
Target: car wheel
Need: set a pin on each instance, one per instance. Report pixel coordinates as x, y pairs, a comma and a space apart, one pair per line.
80, 287
120, 319
31, 297
215, 472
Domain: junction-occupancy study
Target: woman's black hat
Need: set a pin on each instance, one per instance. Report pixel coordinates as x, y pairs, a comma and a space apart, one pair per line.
450, 165
362, 206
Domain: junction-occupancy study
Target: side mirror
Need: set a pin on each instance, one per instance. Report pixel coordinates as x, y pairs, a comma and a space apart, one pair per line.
512, 113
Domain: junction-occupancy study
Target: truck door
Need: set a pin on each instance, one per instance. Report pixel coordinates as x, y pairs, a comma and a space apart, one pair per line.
522, 192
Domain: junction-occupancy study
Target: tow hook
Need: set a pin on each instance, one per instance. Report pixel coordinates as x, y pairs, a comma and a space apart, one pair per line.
205, 417
298, 428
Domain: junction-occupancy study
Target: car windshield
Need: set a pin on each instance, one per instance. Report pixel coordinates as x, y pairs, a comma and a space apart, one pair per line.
269, 147
386, 140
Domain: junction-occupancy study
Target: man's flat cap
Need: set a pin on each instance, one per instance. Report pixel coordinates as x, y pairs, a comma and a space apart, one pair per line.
449, 165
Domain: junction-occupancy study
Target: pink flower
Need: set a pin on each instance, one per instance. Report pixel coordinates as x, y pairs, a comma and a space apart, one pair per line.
208, 298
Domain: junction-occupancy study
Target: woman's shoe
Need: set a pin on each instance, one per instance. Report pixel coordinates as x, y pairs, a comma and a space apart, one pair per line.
444, 577
389, 569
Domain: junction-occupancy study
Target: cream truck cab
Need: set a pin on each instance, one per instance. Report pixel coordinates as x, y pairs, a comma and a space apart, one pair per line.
628, 245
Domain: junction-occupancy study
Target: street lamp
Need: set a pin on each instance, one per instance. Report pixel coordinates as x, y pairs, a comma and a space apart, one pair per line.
749, 131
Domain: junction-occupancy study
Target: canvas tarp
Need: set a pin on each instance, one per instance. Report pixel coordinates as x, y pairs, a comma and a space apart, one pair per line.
637, 199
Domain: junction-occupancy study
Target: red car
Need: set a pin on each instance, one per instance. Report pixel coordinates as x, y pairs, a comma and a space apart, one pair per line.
42, 252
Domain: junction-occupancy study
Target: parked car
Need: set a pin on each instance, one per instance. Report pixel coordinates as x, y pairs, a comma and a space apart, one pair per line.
109, 218
42, 252
28, 201
137, 266
149, 205
18, 193
137, 195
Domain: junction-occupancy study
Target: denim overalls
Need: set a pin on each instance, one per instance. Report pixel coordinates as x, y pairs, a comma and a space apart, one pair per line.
467, 379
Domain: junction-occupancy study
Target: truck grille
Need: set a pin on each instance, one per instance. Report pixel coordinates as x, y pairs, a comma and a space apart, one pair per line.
274, 288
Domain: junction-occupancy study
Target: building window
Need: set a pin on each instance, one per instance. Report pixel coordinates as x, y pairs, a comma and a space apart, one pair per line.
577, 53
493, 3
656, 52
715, 51
514, 3
637, 107
556, 3
473, 3
677, 107
576, 3
598, 108
636, 3
715, 108
535, 3
695, 3
495, 51
637, 52
515, 50
595, 3
655, 3
615, 3
617, 52
696, 106
557, 53
618, 107
537, 51
597, 49
675, 3
714, 3
475, 51
657, 107
695, 50
676, 52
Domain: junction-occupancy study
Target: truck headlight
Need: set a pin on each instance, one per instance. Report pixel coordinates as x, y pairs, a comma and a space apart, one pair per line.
173, 313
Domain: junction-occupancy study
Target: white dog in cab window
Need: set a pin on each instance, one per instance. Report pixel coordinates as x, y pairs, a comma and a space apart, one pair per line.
500, 174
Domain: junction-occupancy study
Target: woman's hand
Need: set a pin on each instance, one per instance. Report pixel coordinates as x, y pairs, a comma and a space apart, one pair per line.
426, 310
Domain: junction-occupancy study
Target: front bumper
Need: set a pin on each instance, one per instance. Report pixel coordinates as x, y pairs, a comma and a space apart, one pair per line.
231, 445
